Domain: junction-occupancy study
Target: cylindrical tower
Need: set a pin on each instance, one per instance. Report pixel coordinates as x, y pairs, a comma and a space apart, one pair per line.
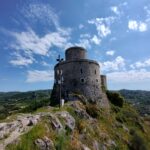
77, 75
75, 53
104, 82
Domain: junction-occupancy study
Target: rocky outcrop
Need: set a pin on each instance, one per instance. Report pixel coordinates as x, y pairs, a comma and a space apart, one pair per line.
80, 110
56, 124
70, 127
68, 119
9, 132
44, 144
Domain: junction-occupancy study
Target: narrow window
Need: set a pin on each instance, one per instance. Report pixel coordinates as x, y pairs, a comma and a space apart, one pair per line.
81, 71
95, 71
96, 80
82, 80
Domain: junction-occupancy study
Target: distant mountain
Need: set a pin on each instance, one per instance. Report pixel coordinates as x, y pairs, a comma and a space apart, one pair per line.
140, 99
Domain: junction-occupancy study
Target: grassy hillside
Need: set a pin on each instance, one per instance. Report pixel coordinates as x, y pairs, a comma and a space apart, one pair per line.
95, 128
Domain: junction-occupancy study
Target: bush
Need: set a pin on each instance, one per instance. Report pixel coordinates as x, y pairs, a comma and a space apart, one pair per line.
115, 98
3, 116
81, 125
121, 118
93, 110
137, 142
35, 105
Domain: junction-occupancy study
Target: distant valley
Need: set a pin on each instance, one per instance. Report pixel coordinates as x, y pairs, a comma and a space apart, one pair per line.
140, 99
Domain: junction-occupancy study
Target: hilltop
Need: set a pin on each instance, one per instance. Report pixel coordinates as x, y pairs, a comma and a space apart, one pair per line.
79, 125
76, 126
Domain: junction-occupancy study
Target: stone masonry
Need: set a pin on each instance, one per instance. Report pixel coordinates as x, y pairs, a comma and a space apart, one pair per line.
78, 75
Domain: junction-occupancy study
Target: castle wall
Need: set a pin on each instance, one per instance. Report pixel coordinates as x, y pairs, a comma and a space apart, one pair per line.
81, 77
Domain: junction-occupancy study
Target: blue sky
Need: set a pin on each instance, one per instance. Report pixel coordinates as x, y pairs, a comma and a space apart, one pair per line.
116, 33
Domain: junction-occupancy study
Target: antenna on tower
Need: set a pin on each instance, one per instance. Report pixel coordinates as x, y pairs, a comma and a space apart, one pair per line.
59, 59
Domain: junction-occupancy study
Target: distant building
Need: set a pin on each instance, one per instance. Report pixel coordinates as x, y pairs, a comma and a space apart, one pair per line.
78, 75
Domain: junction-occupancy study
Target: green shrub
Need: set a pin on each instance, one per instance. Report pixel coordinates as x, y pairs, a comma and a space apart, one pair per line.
121, 118
137, 142
3, 116
93, 110
62, 141
35, 105
115, 98
115, 109
81, 125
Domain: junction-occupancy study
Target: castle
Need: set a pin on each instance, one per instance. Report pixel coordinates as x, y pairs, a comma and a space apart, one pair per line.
78, 75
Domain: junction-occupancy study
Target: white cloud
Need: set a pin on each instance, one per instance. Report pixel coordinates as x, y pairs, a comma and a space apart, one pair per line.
45, 64
137, 26
115, 65
85, 35
30, 42
111, 52
81, 26
84, 43
102, 25
124, 4
129, 76
140, 64
113, 39
142, 27
43, 13
21, 60
103, 30
40, 76
133, 25
115, 9
96, 40
147, 9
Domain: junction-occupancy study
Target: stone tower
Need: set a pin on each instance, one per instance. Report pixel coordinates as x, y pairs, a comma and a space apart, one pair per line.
78, 75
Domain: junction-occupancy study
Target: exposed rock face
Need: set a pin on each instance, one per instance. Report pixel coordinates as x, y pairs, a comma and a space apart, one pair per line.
44, 144
40, 144
85, 147
79, 110
11, 131
68, 119
56, 124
